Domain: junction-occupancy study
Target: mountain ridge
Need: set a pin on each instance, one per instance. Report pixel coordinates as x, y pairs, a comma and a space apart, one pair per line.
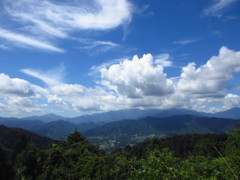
233, 113
9, 136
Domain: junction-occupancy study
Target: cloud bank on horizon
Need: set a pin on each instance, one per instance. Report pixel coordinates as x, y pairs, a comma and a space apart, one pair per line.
158, 79
135, 83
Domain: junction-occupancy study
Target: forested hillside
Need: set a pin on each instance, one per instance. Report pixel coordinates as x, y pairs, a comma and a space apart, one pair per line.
10, 136
206, 156
121, 133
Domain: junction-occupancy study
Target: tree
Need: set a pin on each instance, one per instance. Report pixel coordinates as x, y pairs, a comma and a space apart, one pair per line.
26, 164
6, 171
75, 137
233, 151
20, 145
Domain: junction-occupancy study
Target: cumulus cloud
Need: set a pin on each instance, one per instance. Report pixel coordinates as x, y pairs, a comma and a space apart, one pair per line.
15, 87
231, 101
137, 83
80, 98
137, 77
20, 105
18, 96
212, 78
68, 89
216, 9
71, 96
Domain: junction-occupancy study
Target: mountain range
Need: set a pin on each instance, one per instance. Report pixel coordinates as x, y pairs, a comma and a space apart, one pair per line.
139, 123
233, 113
111, 116
47, 117
168, 126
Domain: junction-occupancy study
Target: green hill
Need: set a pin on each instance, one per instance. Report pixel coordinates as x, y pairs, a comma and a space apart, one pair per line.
9, 137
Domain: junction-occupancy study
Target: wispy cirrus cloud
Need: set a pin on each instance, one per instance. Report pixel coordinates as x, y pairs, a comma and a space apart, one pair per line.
51, 77
4, 47
186, 41
91, 44
26, 41
99, 14
96, 47
48, 19
217, 8
164, 60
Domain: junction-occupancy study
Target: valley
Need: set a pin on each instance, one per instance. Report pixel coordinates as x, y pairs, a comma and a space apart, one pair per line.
114, 133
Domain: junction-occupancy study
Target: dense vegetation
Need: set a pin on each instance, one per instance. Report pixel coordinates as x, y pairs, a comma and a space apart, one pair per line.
114, 135
9, 137
208, 156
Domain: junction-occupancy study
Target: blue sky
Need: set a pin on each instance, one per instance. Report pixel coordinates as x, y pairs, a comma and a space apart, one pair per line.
77, 57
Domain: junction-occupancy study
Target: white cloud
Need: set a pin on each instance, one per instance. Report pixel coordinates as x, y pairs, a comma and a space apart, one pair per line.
137, 83
2, 107
68, 89
21, 40
141, 83
97, 46
186, 41
19, 105
212, 78
72, 97
47, 19
15, 87
18, 96
54, 99
137, 77
51, 77
231, 101
217, 8
80, 98
163, 60
102, 43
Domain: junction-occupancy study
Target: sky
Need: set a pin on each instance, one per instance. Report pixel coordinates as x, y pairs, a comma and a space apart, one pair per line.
86, 56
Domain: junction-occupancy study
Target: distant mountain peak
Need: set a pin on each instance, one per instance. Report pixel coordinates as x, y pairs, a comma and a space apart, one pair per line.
47, 117
235, 108
233, 113
52, 115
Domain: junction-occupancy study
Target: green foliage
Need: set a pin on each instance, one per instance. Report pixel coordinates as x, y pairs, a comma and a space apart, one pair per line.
10, 136
233, 142
26, 163
75, 137
158, 164
180, 157
233, 150
20, 145
6, 171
